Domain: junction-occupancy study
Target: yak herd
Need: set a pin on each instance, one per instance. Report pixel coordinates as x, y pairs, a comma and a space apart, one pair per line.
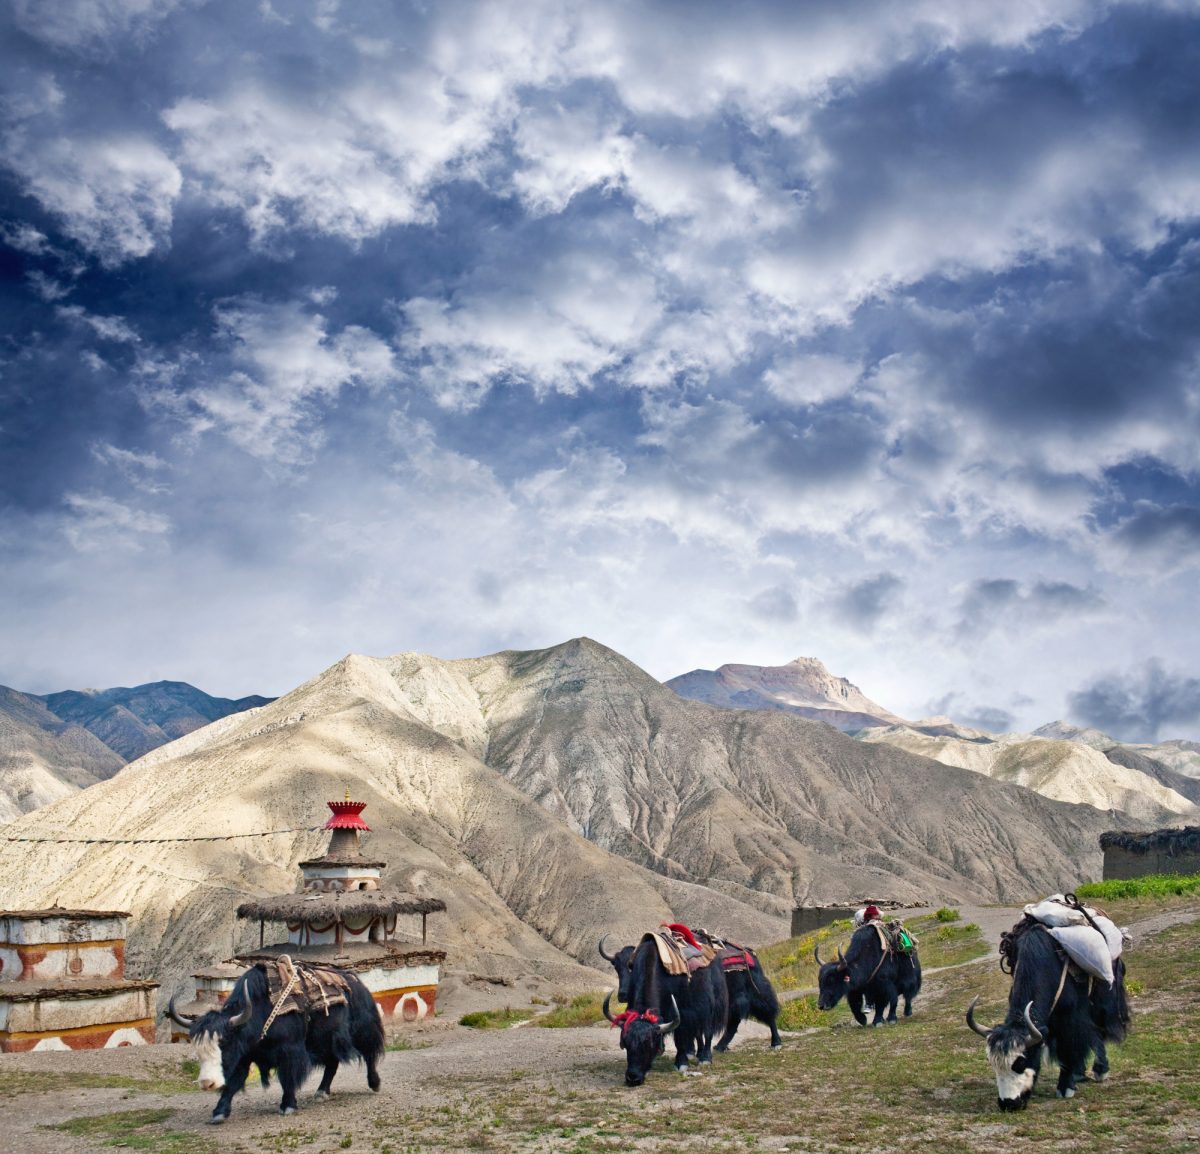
1054, 1013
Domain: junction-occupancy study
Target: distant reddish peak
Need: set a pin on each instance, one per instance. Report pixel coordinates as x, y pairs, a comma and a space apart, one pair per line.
345, 814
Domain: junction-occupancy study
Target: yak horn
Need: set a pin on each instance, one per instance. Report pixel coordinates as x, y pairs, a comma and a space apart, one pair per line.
177, 1017
841, 956
600, 947
242, 1016
1035, 1035
607, 999
667, 1027
971, 1019
817, 954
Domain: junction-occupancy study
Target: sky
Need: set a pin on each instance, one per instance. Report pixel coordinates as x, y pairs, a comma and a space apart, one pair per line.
717, 332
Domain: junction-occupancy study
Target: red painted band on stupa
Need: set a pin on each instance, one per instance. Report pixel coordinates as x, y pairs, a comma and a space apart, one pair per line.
345, 815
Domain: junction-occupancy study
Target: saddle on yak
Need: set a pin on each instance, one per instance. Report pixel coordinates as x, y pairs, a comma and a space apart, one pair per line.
303, 987
731, 957
678, 949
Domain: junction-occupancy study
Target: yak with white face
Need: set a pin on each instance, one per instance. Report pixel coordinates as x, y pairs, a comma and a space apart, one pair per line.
1054, 1015
227, 1041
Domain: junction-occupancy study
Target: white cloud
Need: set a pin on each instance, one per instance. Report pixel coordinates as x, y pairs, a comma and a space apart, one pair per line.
74, 24
115, 195
282, 363
98, 522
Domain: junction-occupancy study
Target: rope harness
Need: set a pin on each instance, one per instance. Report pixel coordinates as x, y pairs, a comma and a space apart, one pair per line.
305, 976
283, 996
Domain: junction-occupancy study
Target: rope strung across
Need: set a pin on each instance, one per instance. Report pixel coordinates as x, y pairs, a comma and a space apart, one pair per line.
157, 840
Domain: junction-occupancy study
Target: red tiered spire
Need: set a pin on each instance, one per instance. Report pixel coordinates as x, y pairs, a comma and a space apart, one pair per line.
345, 814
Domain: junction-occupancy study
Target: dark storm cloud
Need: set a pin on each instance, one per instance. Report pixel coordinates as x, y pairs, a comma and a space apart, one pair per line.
1003, 603
774, 604
1148, 704
1171, 531
863, 604
990, 718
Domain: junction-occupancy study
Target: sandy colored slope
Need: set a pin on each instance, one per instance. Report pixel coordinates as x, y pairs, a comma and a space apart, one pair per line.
524, 892
762, 806
1064, 770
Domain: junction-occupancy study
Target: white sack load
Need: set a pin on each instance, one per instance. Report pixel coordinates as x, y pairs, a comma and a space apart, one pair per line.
1116, 938
1054, 911
1087, 948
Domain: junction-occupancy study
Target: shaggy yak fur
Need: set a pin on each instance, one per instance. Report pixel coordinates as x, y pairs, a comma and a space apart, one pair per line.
861, 976
693, 1006
292, 1046
749, 994
1080, 1024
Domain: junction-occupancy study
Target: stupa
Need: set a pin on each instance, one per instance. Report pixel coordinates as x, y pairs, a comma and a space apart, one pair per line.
63, 983
342, 916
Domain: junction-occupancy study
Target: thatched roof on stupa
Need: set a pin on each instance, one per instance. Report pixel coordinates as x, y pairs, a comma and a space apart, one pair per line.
338, 905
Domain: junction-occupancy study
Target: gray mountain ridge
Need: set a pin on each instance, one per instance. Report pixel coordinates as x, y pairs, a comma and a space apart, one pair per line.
54, 744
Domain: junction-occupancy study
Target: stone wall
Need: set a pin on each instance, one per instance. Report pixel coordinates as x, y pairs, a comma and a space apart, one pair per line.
1165, 851
805, 919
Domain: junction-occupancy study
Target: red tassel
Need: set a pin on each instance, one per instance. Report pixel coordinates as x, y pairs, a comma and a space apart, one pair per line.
683, 932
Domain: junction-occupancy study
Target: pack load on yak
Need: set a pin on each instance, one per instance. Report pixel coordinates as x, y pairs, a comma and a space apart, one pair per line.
1089, 936
751, 994
1067, 1001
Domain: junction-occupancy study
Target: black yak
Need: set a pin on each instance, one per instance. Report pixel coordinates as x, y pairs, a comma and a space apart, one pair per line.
869, 973
1052, 1013
241, 1032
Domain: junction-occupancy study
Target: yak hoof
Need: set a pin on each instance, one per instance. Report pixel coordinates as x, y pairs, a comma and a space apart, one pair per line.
1100, 1077
1067, 1093
323, 1094
776, 1045
287, 1110
217, 1119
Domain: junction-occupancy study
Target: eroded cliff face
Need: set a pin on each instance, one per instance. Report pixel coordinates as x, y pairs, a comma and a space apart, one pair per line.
803, 687
548, 797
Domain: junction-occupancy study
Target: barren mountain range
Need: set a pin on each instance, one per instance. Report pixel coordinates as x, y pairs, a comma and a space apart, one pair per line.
1058, 760
53, 745
548, 797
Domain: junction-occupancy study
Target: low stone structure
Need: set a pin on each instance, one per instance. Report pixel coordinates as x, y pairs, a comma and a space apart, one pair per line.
343, 917
806, 919
1163, 851
63, 984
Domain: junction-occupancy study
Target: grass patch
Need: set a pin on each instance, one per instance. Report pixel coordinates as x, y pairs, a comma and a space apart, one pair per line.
582, 1010
135, 1130
801, 1014
1152, 886
495, 1019
946, 914
169, 1078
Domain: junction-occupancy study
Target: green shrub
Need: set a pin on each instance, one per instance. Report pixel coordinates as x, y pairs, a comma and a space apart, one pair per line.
1152, 886
945, 914
801, 1013
582, 1010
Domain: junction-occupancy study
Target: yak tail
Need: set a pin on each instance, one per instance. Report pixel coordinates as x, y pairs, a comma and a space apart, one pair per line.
366, 1029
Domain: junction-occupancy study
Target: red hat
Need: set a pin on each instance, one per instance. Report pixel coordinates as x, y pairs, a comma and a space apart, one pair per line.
871, 913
